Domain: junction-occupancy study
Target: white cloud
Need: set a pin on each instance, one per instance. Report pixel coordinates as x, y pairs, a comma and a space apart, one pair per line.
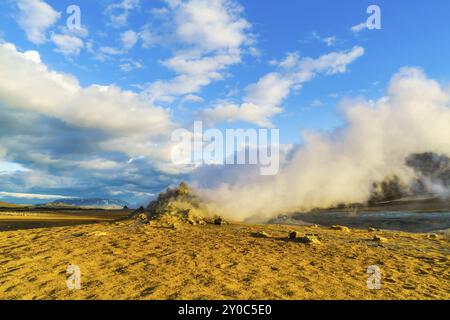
194, 73
359, 27
214, 34
9, 167
148, 38
32, 196
316, 103
118, 13
129, 65
62, 96
35, 17
264, 98
81, 32
210, 24
110, 51
134, 126
191, 98
67, 45
329, 41
129, 39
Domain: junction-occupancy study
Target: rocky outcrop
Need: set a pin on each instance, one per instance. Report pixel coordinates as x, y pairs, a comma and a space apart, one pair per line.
181, 205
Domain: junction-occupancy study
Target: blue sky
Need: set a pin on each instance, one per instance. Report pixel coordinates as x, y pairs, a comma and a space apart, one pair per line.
178, 61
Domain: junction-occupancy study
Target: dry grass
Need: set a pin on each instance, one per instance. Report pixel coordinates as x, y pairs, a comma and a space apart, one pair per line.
124, 260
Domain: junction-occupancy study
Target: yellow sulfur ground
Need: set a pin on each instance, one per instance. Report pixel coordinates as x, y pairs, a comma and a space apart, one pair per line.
125, 261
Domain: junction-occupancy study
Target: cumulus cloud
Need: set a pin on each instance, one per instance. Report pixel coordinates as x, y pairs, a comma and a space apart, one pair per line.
329, 41
26, 82
117, 120
341, 166
192, 98
359, 27
78, 140
128, 65
35, 17
118, 13
199, 22
67, 45
32, 196
264, 98
213, 34
129, 39
149, 39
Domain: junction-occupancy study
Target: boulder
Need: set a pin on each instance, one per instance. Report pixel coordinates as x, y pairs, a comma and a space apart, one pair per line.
340, 228
379, 239
261, 234
292, 235
309, 239
142, 218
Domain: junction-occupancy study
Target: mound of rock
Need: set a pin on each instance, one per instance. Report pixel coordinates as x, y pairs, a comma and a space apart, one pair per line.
340, 228
180, 205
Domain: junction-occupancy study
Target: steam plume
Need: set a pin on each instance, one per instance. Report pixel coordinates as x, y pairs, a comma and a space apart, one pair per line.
340, 167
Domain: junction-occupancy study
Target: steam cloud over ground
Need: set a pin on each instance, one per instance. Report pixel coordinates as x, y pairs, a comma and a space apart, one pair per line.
340, 167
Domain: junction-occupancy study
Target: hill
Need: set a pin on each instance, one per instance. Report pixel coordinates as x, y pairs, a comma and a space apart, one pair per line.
95, 203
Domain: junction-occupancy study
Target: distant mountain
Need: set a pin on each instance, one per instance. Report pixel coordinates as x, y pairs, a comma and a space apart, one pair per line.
91, 203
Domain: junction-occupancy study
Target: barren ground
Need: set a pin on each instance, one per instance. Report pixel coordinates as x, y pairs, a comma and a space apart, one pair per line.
126, 260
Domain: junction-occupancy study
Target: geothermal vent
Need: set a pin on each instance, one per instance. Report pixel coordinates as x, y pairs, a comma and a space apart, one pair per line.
180, 205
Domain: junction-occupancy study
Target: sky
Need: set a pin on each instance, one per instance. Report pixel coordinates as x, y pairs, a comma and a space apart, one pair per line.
88, 112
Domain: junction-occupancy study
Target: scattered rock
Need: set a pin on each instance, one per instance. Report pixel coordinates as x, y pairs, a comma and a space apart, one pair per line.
390, 280
261, 234
274, 268
409, 286
308, 239
100, 234
373, 229
78, 234
313, 235
340, 228
226, 265
292, 235
142, 218
432, 236
379, 239
194, 217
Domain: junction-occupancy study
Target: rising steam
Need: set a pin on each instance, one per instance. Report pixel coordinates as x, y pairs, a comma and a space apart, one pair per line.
340, 167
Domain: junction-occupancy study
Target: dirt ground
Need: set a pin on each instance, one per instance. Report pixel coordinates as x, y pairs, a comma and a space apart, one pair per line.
24, 218
127, 260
